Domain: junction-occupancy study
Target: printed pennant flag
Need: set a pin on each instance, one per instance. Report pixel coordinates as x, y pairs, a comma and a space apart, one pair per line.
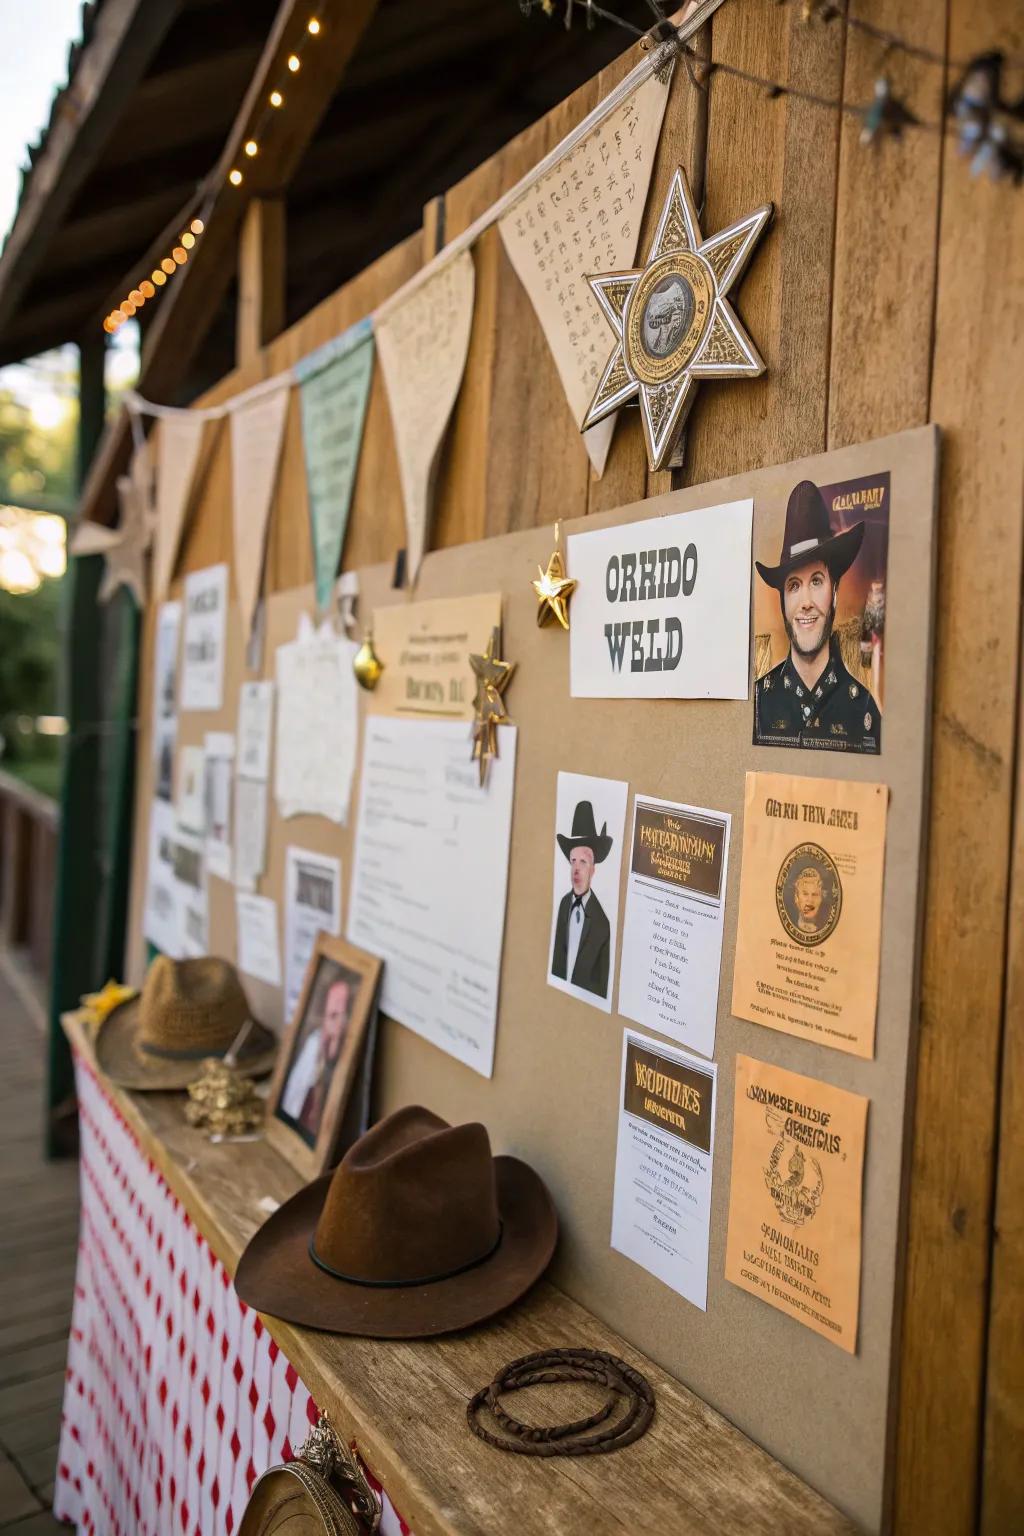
334, 384
181, 437
423, 340
581, 218
257, 430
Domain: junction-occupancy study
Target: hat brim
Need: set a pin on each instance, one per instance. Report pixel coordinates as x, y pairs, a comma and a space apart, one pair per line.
276, 1274
838, 553
600, 845
121, 1056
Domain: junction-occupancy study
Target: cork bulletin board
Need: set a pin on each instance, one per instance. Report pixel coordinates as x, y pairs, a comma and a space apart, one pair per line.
553, 1097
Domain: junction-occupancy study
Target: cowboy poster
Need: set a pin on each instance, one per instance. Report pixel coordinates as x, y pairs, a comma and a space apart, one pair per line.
810, 919
672, 933
590, 819
795, 1197
819, 617
661, 1211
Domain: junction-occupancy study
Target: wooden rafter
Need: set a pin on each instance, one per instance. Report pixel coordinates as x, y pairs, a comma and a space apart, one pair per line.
185, 312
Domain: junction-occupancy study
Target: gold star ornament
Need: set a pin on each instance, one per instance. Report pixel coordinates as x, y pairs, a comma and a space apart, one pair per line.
492, 678
554, 589
673, 322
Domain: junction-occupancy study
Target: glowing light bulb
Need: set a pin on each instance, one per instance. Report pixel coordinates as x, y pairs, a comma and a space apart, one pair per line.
127, 309
188, 241
276, 99
235, 177
109, 326
197, 226
179, 255
137, 297
159, 276
168, 265
251, 148
293, 63
313, 26
146, 288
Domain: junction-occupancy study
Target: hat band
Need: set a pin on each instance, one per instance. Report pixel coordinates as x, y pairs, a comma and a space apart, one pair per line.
803, 544
393, 1285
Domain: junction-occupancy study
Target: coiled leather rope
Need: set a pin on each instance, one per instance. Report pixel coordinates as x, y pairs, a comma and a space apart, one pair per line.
623, 1418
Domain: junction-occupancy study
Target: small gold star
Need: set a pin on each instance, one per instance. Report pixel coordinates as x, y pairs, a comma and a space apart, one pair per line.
493, 676
554, 589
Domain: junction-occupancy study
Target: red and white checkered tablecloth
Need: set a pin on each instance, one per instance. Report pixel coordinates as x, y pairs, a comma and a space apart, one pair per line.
176, 1396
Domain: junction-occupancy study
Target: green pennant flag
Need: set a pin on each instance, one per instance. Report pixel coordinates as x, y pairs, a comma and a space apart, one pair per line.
334, 384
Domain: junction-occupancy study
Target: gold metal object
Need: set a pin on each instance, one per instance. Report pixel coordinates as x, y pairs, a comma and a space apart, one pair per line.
554, 588
222, 1102
493, 676
366, 664
99, 1004
673, 322
323, 1451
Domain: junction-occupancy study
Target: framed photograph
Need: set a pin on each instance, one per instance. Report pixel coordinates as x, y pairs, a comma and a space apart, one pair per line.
320, 1054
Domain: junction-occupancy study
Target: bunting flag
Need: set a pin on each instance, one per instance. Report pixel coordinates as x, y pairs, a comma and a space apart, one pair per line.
181, 437
581, 218
423, 339
334, 383
257, 431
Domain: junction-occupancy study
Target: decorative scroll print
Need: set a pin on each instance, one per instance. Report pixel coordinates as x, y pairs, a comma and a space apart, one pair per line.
580, 219
176, 1397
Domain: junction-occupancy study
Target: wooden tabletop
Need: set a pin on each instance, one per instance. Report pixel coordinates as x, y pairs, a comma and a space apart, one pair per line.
402, 1405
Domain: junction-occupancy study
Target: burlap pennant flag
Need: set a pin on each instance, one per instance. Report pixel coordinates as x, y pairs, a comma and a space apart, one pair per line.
581, 218
422, 341
257, 430
334, 384
180, 440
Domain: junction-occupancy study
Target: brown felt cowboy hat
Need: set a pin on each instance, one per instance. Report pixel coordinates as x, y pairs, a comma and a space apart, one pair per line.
418, 1231
584, 834
809, 535
187, 1010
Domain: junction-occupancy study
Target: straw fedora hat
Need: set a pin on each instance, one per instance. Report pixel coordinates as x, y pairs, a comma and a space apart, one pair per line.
809, 535
187, 1010
418, 1231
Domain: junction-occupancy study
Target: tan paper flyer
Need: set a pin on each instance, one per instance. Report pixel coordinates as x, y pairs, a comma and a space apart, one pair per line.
795, 1198
809, 935
425, 648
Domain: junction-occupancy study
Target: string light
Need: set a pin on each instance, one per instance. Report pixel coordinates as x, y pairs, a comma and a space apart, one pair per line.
178, 257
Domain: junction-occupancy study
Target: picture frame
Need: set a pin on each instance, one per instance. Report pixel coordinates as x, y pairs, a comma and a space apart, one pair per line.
320, 1053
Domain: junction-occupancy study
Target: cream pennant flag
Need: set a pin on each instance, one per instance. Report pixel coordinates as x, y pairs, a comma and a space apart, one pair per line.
422, 343
581, 218
257, 431
181, 436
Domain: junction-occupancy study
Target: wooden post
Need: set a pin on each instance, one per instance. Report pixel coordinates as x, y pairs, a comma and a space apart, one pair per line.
261, 272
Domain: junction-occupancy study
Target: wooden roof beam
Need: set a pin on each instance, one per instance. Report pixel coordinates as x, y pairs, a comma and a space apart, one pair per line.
185, 312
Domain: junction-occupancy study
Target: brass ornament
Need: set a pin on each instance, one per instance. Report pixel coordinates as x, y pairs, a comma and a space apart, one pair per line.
554, 588
222, 1102
493, 676
366, 664
673, 322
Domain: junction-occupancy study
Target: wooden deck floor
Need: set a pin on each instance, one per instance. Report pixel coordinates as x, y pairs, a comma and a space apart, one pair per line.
38, 1238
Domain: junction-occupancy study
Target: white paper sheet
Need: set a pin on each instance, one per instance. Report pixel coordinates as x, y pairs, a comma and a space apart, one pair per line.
662, 610
590, 819
317, 724
162, 914
206, 609
259, 953
255, 715
190, 885
190, 799
430, 879
661, 1211
218, 776
672, 933
250, 832
312, 904
165, 696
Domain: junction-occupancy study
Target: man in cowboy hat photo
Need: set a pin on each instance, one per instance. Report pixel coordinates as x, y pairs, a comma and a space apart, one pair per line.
810, 699
582, 949
309, 1076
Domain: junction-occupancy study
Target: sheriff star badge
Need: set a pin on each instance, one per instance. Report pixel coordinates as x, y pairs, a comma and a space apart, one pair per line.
673, 322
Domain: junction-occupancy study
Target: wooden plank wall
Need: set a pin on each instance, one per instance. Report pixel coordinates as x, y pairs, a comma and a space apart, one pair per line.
883, 297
